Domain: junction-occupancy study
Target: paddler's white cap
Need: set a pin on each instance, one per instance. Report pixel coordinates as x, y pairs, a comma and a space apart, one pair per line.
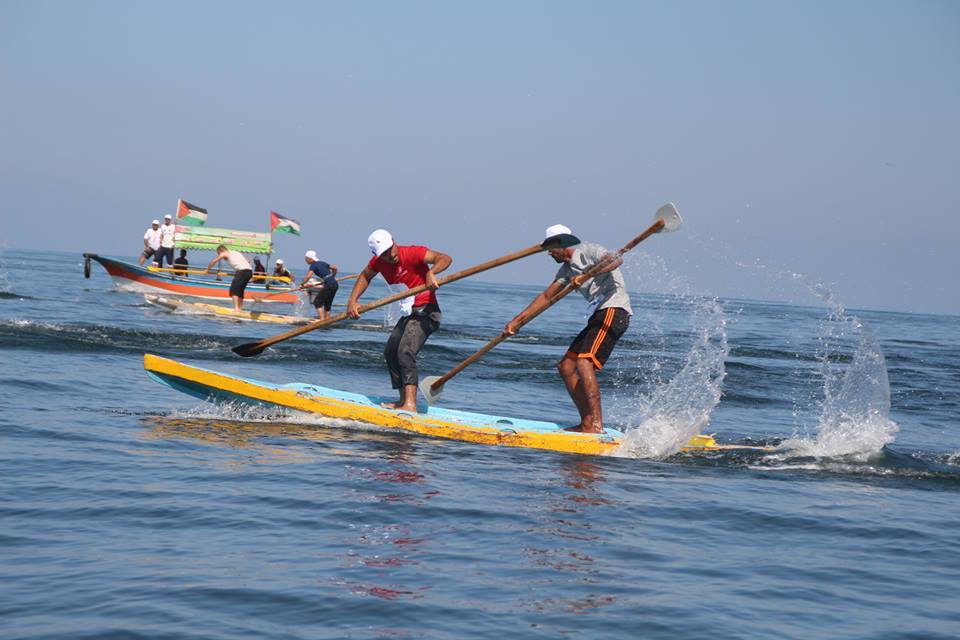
309, 254
168, 217
155, 222
557, 230
279, 260
379, 241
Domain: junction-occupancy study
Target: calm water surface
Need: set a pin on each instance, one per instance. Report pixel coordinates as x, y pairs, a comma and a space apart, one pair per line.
131, 511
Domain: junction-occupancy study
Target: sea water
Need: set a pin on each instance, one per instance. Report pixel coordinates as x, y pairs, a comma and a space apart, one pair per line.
129, 510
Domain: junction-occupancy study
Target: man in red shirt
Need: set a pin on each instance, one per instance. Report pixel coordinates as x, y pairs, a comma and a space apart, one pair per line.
410, 266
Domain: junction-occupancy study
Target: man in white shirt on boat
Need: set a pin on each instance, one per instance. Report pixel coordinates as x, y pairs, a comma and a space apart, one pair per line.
168, 232
151, 241
242, 272
608, 310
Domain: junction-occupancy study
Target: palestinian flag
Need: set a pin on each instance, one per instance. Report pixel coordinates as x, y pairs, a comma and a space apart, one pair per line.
282, 224
190, 214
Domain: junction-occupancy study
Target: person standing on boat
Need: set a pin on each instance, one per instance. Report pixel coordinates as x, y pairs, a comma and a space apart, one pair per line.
180, 265
609, 316
168, 232
321, 280
241, 273
412, 266
151, 241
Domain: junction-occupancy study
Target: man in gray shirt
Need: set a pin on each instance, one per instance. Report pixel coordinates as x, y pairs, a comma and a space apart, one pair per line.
609, 316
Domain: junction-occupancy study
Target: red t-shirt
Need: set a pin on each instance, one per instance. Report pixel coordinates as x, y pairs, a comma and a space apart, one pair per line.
410, 270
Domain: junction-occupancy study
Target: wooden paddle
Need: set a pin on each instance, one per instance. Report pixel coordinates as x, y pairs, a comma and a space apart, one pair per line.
300, 288
256, 348
667, 219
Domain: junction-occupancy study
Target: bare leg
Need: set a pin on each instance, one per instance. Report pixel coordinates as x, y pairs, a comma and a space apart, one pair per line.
408, 399
322, 313
237, 303
568, 371
593, 420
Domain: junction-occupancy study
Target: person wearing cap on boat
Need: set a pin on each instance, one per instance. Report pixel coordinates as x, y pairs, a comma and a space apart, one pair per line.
280, 271
151, 241
241, 273
412, 266
168, 232
321, 280
608, 314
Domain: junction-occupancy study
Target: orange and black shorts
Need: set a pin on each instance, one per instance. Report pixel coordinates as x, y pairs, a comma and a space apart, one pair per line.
598, 338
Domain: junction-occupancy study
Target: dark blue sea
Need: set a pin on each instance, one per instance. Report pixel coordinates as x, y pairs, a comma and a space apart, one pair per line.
131, 511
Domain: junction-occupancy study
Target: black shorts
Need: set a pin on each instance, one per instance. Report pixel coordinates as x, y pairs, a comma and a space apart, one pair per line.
239, 283
324, 297
598, 338
147, 253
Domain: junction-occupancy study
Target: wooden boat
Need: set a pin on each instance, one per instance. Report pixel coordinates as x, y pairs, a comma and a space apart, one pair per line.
197, 283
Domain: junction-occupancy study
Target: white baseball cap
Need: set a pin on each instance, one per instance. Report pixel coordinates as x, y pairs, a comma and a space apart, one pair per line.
168, 217
279, 260
155, 222
379, 241
556, 230
311, 254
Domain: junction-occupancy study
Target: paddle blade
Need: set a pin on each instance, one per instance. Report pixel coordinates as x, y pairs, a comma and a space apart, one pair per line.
430, 394
249, 349
670, 216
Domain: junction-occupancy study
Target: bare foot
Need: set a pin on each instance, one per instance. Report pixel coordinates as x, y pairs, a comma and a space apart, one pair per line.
584, 429
399, 406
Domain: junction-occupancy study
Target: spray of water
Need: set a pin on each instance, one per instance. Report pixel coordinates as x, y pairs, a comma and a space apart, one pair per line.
676, 401
855, 410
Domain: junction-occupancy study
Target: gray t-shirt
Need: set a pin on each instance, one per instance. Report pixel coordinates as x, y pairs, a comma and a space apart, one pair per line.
607, 289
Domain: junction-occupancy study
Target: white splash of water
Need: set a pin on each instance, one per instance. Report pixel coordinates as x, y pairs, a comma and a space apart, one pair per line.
855, 410
674, 412
669, 412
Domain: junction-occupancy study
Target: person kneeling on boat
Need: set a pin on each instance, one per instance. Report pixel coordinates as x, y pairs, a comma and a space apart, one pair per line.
321, 280
609, 316
412, 266
181, 264
241, 273
280, 272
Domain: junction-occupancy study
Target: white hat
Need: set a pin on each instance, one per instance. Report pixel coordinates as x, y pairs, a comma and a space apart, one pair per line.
155, 222
311, 254
557, 230
279, 260
168, 217
379, 241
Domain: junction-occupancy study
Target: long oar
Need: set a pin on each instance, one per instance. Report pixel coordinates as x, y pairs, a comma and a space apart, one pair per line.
667, 219
256, 348
301, 288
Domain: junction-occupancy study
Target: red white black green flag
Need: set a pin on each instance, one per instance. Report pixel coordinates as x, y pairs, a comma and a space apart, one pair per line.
283, 224
190, 214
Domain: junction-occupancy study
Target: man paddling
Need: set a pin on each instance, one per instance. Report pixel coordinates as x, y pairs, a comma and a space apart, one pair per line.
321, 280
609, 316
241, 273
411, 266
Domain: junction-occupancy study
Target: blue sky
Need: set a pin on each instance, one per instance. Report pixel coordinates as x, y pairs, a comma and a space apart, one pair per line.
812, 137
